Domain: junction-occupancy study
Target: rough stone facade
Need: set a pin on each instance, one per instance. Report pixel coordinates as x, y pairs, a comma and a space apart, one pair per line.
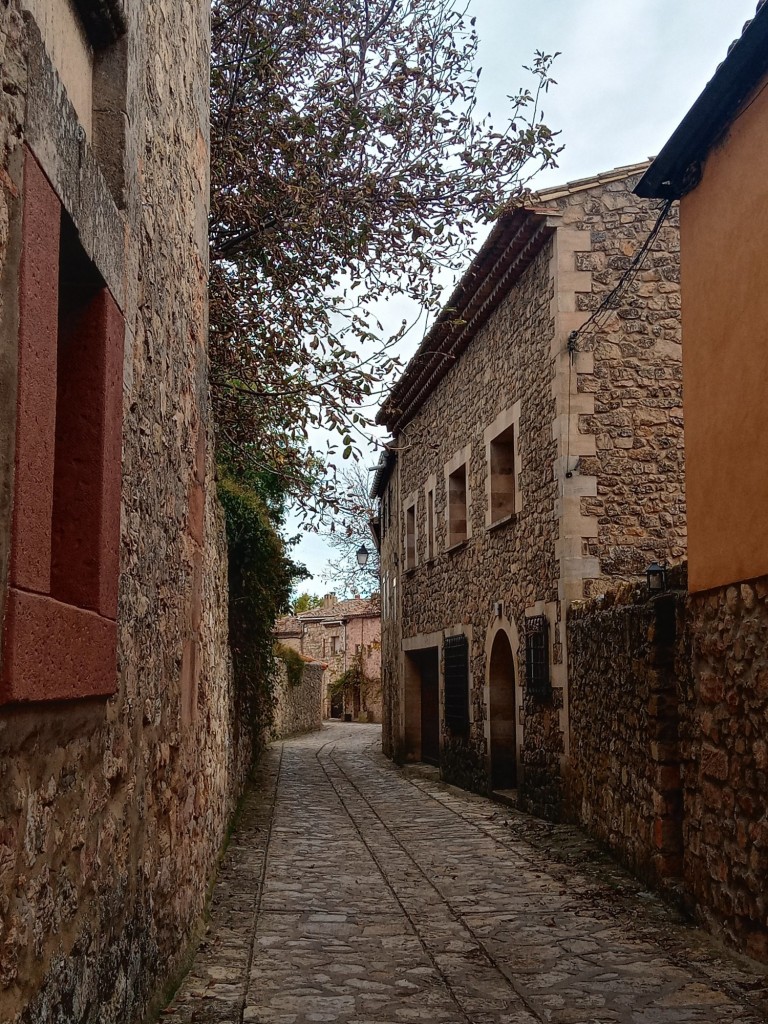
718, 173
341, 634
724, 760
595, 437
623, 781
298, 708
669, 762
113, 810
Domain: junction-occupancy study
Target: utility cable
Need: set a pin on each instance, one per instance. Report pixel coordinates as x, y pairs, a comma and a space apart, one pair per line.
606, 307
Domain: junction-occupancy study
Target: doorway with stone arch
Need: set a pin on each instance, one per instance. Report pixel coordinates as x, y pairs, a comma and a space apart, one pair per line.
502, 712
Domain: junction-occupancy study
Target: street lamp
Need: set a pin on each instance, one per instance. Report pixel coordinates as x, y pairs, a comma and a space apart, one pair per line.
362, 556
656, 576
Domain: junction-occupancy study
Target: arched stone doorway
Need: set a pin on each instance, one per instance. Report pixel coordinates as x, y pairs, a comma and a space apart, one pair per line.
501, 685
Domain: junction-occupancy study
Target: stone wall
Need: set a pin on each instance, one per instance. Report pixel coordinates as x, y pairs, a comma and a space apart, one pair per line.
113, 810
669, 762
636, 384
515, 562
623, 773
345, 636
724, 757
298, 708
598, 458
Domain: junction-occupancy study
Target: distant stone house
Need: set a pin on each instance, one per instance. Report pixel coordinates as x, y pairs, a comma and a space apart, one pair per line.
120, 753
345, 635
525, 472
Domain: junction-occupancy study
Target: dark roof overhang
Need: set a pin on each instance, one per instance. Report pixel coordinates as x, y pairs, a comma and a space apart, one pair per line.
677, 168
514, 242
383, 472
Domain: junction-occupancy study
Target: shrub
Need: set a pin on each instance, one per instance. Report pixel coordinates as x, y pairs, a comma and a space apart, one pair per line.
293, 661
260, 580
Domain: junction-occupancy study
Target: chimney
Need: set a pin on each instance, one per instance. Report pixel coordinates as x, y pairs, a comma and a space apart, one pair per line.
329, 601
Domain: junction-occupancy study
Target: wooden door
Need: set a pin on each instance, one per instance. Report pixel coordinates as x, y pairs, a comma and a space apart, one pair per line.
430, 706
502, 714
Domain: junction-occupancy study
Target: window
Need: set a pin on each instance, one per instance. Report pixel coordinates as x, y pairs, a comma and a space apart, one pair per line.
431, 523
504, 496
457, 506
456, 672
334, 645
81, 415
87, 44
61, 633
502, 473
410, 536
537, 657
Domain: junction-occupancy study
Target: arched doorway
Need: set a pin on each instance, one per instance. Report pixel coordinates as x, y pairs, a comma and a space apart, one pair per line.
501, 682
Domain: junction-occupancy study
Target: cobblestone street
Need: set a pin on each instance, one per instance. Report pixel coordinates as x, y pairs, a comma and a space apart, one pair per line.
352, 893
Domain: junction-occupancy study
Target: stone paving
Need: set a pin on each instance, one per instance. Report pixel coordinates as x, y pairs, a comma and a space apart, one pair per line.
353, 893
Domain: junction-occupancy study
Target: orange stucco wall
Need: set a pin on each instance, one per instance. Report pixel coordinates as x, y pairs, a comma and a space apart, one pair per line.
724, 266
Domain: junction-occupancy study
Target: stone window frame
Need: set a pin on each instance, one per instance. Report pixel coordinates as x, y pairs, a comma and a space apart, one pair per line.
60, 639
507, 419
411, 518
460, 459
430, 520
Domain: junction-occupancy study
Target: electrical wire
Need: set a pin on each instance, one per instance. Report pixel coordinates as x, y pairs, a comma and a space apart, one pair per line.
607, 306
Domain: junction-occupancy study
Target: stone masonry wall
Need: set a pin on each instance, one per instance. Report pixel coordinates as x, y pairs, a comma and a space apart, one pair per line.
359, 634
623, 775
598, 438
635, 380
391, 692
669, 762
112, 811
298, 708
515, 562
725, 760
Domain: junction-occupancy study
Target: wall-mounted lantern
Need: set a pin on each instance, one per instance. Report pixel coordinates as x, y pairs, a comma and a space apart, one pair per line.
362, 556
656, 575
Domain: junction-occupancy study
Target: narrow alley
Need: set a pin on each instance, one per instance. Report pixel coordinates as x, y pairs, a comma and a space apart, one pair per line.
351, 892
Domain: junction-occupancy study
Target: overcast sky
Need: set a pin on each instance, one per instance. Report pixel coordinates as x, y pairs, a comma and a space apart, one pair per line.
628, 72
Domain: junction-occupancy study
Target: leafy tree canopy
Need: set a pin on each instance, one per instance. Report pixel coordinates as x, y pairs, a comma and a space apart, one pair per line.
349, 165
348, 532
304, 602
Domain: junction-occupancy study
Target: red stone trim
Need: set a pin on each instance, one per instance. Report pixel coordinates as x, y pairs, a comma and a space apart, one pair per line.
36, 403
60, 637
55, 651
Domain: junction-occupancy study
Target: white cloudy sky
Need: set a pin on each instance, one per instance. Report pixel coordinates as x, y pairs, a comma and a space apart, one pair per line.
628, 72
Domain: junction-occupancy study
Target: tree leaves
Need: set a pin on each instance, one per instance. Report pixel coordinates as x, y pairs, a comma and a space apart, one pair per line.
348, 166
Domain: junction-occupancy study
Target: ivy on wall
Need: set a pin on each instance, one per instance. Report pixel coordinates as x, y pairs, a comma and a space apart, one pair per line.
261, 576
293, 661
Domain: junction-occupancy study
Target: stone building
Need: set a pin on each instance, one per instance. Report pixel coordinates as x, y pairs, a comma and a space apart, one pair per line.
344, 635
527, 469
118, 743
716, 165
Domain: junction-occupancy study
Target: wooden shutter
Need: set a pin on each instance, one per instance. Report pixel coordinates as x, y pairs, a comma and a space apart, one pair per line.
456, 669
